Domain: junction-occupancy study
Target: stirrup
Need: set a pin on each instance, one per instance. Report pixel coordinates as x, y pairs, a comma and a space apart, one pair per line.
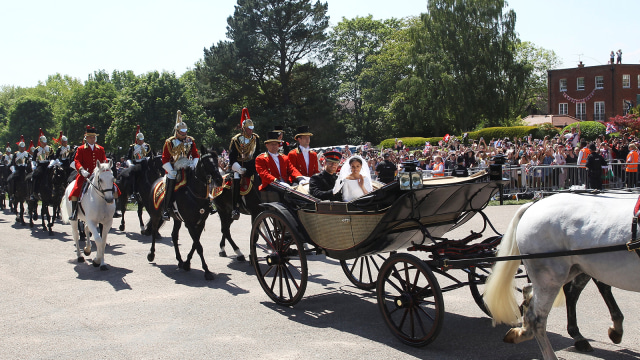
235, 214
165, 215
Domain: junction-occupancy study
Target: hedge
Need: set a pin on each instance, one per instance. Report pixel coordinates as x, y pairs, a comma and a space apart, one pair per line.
537, 132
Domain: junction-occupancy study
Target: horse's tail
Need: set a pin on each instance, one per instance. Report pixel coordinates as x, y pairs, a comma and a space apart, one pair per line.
64, 212
499, 295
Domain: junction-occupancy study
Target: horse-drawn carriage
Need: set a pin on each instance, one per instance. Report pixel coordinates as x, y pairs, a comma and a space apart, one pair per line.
409, 214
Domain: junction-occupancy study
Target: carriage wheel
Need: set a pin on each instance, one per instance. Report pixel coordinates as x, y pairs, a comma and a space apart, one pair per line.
410, 299
278, 258
363, 271
478, 277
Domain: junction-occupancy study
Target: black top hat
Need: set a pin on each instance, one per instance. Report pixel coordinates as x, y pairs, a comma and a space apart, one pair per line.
91, 131
385, 155
302, 131
278, 128
332, 156
272, 136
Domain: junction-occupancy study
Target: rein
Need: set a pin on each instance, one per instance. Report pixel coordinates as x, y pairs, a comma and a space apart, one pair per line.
99, 189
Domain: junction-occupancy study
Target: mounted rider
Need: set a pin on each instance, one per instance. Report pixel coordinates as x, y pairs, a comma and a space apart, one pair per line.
41, 157
20, 158
243, 150
64, 150
85, 161
138, 151
179, 152
8, 156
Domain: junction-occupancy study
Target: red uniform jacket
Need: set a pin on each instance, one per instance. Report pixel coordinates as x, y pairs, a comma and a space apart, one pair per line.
168, 146
86, 159
268, 170
296, 158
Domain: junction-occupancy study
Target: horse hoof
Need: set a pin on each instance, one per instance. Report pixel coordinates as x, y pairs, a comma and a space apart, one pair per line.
95, 264
87, 251
222, 254
104, 268
80, 259
121, 227
208, 275
50, 232
151, 256
145, 233
241, 258
31, 225
186, 266
583, 346
615, 336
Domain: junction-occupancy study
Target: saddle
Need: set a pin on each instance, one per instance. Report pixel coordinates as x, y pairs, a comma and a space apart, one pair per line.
246, 184
634, 243
159, 189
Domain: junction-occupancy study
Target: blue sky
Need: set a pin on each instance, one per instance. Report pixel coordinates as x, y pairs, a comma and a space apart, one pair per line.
77, 37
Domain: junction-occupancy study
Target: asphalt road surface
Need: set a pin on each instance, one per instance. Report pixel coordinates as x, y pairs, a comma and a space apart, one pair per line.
52, 307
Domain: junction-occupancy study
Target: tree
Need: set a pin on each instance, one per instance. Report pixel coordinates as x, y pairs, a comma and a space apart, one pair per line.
27, 115
534, 96
466, 71
268, 39
353, 43
58, 90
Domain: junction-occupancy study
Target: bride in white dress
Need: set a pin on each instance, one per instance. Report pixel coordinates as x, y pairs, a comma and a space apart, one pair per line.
354, 179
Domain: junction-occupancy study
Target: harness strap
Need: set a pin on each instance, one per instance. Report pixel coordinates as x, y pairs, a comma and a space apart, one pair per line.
634, 243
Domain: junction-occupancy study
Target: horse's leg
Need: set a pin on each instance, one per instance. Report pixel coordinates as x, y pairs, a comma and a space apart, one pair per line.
615, 331
195, 231
174, 238
155, 222
97, 238
102, 245
140, 208
122, 204
76, 238
572, 292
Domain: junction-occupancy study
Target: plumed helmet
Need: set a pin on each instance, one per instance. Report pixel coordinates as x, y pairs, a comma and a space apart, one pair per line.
245, 120
42, 140
64, 138
31, 147
8, 148
21, 142
139, 135
180, 125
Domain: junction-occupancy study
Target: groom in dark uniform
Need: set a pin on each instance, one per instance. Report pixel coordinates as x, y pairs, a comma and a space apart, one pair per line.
321, 184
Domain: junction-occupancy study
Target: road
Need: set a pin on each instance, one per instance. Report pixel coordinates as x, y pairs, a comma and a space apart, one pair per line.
54, 308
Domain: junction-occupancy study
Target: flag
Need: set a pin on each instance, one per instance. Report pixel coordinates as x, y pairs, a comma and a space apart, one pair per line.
446, 138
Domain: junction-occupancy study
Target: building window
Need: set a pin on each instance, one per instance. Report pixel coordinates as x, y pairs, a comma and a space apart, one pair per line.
564, 109
598, 111
626, 81
563, 84
626, 107
599, 82
581, 111
638, 81
580, 83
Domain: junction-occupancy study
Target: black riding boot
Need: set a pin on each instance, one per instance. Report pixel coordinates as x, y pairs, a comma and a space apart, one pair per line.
235, 213
168, 192
74, 210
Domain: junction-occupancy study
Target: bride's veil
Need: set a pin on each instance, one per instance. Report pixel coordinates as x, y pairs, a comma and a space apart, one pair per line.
346, 171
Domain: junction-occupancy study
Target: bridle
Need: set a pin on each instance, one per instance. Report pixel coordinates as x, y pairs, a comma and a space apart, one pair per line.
99, 189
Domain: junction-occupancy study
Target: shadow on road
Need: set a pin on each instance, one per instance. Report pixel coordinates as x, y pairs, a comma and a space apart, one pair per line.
115, 276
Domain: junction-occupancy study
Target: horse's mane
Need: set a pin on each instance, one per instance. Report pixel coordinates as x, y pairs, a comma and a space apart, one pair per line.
126, 172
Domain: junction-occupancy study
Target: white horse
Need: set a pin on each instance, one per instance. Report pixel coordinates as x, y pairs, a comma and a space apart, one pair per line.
95, 208
559, 223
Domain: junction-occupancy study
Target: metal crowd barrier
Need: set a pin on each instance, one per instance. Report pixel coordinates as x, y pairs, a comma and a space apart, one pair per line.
553, 178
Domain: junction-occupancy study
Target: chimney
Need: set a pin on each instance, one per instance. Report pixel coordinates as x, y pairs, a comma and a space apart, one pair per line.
580, 65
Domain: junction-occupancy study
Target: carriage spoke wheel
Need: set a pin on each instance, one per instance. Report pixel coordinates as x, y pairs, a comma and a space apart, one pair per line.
410, 299
363, 271
478, 277
278, 258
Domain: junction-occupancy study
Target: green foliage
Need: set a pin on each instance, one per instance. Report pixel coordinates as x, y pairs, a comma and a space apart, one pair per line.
589, 130
27, 115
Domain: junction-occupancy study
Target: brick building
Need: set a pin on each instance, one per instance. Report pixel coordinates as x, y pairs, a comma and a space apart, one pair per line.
594, 92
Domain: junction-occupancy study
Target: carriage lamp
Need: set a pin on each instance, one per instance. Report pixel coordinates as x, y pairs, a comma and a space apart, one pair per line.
410, 177
495, 169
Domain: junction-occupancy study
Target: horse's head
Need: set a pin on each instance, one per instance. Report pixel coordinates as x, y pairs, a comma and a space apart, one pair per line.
58, 178
209, 164
103, 180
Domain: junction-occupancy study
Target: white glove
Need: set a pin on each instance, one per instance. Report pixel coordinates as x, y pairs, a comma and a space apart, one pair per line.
84, 173
172, 174
303, 180
238, 168
283, 184
194, 162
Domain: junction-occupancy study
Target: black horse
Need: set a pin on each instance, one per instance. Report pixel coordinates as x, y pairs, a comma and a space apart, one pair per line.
249, 205
18, 191
192, 203
52, 188
4, 175
144, 174
572, 292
